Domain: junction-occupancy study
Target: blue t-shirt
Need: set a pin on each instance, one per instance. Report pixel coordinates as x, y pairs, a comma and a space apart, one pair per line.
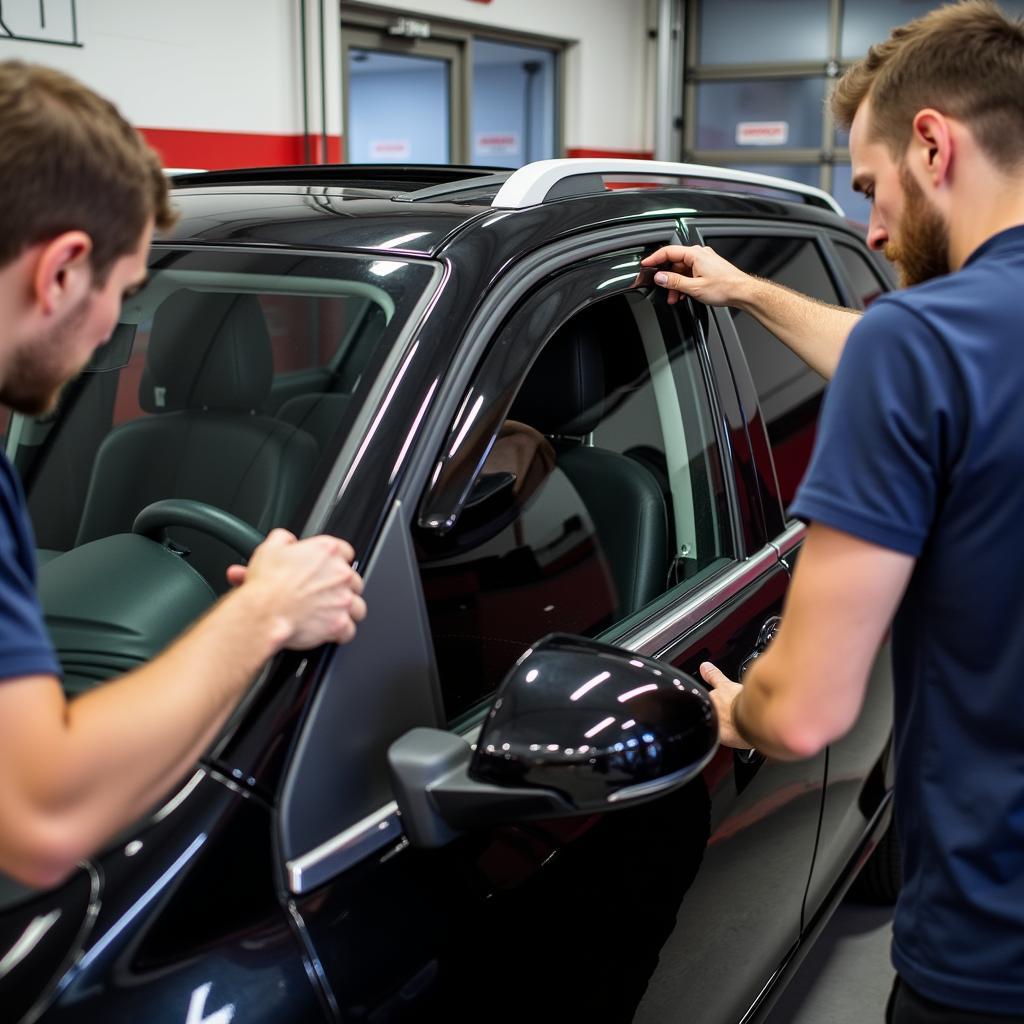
921, 450
25, 646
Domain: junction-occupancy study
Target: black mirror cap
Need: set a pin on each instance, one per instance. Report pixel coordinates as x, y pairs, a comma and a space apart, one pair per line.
595, 723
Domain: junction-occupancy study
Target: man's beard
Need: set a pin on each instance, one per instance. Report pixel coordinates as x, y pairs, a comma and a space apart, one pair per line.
922, 251
38, 369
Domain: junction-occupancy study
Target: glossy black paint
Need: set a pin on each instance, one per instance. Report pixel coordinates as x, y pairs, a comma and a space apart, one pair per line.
594, 724
648, 913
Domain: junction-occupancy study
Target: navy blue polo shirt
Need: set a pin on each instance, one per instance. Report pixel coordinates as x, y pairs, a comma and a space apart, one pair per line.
921, 450
25, 646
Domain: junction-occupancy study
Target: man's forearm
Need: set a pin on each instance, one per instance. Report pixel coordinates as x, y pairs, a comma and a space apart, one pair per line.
124, 745
814, 330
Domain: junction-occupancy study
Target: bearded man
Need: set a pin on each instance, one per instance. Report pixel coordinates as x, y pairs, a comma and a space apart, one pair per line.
915, 499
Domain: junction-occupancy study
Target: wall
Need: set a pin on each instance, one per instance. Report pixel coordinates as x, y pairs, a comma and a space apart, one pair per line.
219, 84
607, 102
211, 84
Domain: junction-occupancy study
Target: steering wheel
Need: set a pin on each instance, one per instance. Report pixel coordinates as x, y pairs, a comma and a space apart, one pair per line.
154, 519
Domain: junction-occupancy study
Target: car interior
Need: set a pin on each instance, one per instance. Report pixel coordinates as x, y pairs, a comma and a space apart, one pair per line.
200, 426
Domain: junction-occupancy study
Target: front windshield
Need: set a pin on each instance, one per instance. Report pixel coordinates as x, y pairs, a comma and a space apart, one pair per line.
231, 381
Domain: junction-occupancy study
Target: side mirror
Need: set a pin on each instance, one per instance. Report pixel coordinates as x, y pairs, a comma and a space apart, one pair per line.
577, 727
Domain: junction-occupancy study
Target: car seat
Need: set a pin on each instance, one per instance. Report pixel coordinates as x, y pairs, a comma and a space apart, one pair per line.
208, 372
564, 397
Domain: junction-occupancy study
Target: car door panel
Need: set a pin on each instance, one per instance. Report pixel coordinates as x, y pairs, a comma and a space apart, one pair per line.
620, 916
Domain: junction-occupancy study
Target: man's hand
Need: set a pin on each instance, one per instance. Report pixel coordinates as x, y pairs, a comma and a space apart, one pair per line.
699, 272
307, 588
723, 694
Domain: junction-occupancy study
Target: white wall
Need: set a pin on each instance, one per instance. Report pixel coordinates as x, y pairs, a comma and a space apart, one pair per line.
607, 103
224, 77
201, 64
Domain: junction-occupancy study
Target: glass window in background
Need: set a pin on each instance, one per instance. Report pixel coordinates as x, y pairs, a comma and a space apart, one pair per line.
806, 174
398, 109
513, 104
855, 206
755, 116
760, 32
870, 21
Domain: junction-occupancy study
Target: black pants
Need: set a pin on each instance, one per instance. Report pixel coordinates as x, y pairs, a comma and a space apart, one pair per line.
907, 1007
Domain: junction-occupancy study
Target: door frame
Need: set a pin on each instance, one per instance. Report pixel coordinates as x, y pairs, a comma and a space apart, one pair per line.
358, 17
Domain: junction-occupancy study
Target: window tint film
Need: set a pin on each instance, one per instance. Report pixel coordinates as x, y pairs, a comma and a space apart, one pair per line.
863, 278
789, 391
602, 492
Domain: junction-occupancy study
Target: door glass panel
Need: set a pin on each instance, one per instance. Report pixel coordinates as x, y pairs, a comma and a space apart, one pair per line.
513, 104
756, 115
864, 280
603, 491
788, 390
756, 32
399, 108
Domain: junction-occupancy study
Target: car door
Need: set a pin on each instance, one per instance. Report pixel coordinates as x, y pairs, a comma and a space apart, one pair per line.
525, 520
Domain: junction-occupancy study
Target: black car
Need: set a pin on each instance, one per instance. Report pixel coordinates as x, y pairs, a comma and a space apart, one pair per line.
504, 800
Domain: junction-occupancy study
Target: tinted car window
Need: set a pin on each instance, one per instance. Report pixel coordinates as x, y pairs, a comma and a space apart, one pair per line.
789, 391
613, 495
224, 383
862, 277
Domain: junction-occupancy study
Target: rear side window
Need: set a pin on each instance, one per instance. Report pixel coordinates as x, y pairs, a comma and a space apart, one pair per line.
864, 281
788, 390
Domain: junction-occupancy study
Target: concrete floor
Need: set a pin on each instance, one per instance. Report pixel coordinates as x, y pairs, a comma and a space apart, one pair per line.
846, 977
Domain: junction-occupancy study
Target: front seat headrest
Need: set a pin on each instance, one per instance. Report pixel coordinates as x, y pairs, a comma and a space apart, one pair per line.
565, 389
207, 350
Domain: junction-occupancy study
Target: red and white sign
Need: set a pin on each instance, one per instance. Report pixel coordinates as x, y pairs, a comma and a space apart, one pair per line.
390, 149
762, 133
497, 143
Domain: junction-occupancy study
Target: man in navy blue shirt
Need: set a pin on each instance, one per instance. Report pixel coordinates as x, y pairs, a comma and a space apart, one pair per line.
915, 495
80, 194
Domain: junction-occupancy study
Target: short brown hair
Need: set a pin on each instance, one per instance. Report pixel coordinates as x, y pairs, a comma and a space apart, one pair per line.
69, 160
965, 59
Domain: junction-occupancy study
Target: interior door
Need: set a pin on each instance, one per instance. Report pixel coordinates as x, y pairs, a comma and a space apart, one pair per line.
403, 98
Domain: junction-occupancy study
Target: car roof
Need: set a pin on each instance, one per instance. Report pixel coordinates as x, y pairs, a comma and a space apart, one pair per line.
419, 209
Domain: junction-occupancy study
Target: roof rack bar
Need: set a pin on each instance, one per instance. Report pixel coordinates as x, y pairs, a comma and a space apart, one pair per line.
534, 183
413, 174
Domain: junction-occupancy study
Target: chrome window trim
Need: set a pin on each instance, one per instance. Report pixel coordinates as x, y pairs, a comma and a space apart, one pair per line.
792, 537
345, 849
667, 629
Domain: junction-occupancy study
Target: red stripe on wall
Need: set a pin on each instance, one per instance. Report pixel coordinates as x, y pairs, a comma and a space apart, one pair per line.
179, 147
618, 154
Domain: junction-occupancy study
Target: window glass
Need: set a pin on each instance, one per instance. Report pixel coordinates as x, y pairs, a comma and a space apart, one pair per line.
398, 108
754, 116
789, 391
513, 104
602, 492
224, 383
854, 204
863, 278
762, 31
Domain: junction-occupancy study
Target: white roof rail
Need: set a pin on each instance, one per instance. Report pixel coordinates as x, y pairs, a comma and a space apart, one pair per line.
172, 171
531, 184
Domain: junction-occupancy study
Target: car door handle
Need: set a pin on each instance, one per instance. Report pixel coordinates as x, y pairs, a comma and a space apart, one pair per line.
764, 637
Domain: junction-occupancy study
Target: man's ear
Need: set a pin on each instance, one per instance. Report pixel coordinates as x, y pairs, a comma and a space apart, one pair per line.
932, 140
63, 272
